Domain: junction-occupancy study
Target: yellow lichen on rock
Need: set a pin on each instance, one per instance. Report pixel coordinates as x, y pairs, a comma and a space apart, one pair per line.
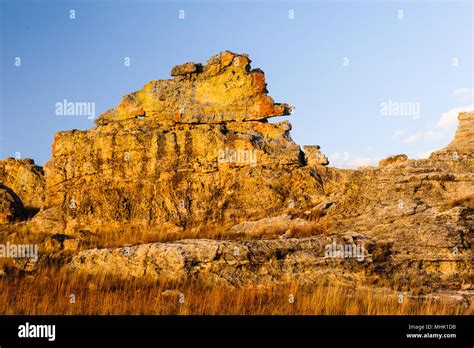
223, 90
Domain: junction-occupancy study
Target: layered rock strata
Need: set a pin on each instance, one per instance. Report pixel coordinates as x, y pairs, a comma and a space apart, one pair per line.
190, 150
198, 149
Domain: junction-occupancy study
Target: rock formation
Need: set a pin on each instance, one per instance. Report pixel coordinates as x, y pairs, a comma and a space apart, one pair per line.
314, 157
11, 206
224, 90
463, 141
423, 207
198, 149
193, 149
25, 178
415, 219
23, 187
232, 263
393, 159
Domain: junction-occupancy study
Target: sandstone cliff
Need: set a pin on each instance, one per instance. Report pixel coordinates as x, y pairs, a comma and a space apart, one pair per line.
190, 150
414, 218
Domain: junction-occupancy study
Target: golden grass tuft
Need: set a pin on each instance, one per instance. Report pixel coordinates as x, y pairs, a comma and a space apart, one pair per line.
49, 292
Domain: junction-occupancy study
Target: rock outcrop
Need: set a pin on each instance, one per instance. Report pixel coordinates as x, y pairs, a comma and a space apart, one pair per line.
458, 155
25, 178
463, 141
233, 263
23, 188
223, 90
11, 207
198, 149
190, 150
424, 207
414, 219
393, 160
314, 156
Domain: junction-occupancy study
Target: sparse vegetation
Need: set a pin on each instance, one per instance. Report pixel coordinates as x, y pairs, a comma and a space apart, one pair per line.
49, 292
48, 289
133, 236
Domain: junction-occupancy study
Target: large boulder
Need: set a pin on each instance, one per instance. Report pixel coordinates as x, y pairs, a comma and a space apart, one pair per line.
225, 89
234, 263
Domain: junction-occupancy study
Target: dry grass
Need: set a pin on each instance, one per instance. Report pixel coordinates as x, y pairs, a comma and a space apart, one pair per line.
132, 236
49, 292
118, 236
310, 215
293, 230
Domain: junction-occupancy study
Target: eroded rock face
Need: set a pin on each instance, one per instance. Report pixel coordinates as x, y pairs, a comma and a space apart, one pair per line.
201, 151
25, 178
423, 206
225, 89
458, 156
463, 141
22, 189
232, 263
414, 205
314, 156
11, 207
393, 160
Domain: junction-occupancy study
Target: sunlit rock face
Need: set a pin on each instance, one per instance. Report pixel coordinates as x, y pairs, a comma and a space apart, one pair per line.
223, 90
25, 178
193, 149
424, 208
463, 141
197, 150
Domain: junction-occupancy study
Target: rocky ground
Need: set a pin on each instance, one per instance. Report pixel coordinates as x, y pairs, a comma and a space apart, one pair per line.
131, 197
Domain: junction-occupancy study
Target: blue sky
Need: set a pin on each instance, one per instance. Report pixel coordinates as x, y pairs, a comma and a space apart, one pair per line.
338, 62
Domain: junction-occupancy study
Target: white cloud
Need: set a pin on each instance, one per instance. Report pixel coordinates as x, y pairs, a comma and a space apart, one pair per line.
449, 119
464, 93
398, 133
343, 160
428, 135
363, 162
423, 154
412, 138
443, 128
339, 159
